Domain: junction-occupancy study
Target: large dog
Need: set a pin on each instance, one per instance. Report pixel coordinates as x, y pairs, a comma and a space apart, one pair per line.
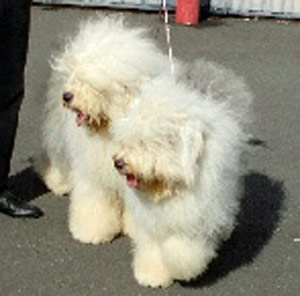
98, 76
179, 150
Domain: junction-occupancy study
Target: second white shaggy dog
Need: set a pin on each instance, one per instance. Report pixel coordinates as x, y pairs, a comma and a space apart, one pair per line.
180, 151
98, 76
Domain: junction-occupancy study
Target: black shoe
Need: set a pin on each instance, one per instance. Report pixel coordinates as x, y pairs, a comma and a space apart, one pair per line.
16, 207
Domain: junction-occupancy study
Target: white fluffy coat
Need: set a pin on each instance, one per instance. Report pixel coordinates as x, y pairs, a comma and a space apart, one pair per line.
191, 142
103, 66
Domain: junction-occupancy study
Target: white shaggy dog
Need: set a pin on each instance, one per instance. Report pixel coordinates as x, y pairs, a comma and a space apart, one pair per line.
98, 76
180, 150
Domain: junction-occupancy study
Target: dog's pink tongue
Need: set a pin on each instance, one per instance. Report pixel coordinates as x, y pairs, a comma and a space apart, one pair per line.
80, 118
132, 181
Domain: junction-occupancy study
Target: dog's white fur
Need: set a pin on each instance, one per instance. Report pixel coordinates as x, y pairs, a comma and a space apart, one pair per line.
104, 66
183, 144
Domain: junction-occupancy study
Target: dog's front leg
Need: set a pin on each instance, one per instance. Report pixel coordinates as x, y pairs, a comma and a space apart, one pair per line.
93, 217
149, 269
187, 257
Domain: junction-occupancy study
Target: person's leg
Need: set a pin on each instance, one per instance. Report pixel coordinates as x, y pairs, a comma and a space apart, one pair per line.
8, 127
14, 30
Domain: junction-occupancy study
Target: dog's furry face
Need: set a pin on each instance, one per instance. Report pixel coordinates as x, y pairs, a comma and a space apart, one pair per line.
147, 167
103, 66
94, 107
159, 158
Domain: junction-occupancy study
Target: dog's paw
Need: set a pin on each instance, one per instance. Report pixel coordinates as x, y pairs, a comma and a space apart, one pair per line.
92, 234
95, 226
56, 182
152, 275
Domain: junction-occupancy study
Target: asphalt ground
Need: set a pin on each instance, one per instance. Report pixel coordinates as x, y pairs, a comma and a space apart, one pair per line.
39, 257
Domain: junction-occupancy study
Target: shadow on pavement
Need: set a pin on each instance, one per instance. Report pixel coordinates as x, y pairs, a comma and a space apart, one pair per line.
258, 218
27, 184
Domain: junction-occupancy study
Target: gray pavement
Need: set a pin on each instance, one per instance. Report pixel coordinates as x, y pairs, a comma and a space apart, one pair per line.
39, 257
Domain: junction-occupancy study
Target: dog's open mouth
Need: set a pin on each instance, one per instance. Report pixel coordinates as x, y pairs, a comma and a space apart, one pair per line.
81, 118
132, 181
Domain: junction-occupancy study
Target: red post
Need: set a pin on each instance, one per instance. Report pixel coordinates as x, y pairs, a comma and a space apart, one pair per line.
188, 11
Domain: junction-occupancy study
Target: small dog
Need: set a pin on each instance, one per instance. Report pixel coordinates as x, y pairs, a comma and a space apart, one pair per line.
98, 76
179, 150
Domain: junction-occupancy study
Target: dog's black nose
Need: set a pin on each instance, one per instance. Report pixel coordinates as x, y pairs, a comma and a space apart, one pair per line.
68, 96
119, 164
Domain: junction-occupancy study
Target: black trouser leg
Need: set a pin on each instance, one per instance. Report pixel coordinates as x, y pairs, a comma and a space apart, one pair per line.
14, 30
8, 127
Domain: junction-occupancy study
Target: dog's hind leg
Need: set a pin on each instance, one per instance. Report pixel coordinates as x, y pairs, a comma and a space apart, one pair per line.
54, 172
54, 164
57, 181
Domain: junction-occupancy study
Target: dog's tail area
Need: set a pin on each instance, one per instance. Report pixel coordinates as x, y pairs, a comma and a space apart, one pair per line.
220, 84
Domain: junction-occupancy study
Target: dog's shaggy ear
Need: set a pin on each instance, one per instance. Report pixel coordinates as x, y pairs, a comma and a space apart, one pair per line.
193, 143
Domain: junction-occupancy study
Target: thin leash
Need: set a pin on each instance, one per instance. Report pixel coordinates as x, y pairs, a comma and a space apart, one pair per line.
168, 35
